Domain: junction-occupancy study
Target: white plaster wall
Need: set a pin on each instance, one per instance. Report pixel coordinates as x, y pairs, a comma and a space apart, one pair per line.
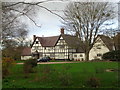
94, 51
33, 49
25, 57
79, 58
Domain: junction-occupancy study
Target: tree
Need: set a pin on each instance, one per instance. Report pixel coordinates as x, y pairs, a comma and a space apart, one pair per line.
86, 19
14, 30
12, 27
12, 50
116, 40
14, 12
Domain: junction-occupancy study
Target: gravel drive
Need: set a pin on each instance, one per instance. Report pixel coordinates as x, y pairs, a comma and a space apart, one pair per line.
51, 62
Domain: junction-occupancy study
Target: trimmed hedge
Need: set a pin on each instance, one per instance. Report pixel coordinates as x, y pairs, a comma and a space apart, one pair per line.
113, 55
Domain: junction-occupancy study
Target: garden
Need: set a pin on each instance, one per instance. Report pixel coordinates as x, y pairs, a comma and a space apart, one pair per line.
67, 75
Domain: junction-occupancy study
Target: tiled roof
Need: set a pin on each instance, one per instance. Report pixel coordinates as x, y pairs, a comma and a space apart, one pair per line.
108, 41
74, 42
26, 51
48, 41
71, 41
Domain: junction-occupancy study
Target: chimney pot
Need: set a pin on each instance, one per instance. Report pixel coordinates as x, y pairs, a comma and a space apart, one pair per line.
62, 30
34, 36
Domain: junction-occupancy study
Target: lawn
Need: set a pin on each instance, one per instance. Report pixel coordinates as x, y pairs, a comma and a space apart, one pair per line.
72, 75
20, 61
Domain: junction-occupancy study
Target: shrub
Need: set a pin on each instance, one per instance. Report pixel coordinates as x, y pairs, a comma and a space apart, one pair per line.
93, 82
113, 55
28, 66
7, 63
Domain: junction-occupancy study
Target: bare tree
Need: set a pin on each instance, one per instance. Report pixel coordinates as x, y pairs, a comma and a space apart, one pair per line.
11, 24
85, 19
14, 12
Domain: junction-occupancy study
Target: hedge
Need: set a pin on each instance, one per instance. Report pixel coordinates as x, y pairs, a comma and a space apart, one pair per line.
113, 55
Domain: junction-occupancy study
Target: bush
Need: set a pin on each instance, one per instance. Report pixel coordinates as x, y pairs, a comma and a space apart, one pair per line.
93, 82
113, 55
7, 63
28, 66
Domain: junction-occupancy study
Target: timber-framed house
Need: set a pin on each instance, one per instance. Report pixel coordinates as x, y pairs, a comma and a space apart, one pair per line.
57, 47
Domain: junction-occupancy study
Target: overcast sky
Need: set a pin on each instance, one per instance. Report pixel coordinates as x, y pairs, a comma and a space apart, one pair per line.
50, 23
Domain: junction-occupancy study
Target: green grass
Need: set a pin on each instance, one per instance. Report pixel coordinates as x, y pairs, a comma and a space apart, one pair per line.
20, 61
59, 60
79, 73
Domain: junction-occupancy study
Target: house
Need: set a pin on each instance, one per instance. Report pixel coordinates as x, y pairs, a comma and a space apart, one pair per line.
58, 47
64, 47
117, 41
26, 53
102, 45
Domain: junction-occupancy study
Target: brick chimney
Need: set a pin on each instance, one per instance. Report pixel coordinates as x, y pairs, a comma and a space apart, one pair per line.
62, 30
34, 36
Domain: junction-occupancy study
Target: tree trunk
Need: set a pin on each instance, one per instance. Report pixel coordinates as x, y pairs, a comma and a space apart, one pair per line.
87, 55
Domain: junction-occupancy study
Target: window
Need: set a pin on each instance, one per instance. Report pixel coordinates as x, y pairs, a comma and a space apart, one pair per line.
36, 47
52, 55
98, 46
75, 55
99, 55
82, 59
62, 46
36, 42
81, 55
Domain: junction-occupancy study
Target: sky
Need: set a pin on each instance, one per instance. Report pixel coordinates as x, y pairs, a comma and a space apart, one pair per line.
50, 23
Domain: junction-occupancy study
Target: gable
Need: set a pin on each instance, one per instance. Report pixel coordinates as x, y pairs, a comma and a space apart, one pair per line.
99, 43
36, 42
71, 41
61, 37
74, 42
107, 41
61, 41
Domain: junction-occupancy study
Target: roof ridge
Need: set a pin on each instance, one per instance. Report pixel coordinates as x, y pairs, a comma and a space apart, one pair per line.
49, 36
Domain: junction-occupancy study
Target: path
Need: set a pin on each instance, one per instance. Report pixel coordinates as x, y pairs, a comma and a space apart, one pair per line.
51, 62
